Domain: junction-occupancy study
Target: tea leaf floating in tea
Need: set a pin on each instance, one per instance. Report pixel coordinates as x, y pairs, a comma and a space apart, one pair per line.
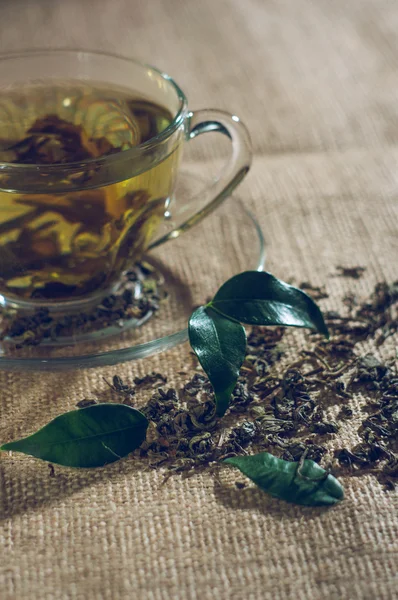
66, 122
300, 483
220, 345
52, 140
89, 437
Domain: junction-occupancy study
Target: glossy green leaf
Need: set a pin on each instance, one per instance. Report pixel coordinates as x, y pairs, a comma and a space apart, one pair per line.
220, 345
301, 483
259, 298
89, 437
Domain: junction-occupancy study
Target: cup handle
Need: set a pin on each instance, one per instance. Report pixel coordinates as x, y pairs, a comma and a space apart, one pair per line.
203, 121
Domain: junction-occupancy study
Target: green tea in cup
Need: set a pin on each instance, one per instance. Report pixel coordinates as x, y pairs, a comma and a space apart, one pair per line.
90, 146
67, 245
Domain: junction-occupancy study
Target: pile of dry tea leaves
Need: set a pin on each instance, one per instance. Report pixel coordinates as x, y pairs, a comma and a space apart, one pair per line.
283, 401
138, 296
283, 404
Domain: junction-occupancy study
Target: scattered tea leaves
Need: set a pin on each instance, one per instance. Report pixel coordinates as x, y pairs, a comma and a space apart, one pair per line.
352, 272
375, 317
89, 437
300, 483
281, 403
138, 298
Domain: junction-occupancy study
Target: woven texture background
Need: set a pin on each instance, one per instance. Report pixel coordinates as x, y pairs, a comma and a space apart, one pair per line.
317, 84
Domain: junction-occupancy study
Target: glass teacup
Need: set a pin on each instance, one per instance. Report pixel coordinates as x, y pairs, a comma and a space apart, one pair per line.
91, 145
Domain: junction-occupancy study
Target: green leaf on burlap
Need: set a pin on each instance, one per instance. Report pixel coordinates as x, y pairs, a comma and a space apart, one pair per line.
303, 482
259, 298
89, 437
220, 345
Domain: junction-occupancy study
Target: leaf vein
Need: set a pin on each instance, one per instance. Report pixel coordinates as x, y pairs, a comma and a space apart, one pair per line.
79, 439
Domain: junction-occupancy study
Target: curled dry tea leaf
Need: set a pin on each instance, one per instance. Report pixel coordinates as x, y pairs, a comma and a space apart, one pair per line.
259, 298
300, 483
220, 345
90, 437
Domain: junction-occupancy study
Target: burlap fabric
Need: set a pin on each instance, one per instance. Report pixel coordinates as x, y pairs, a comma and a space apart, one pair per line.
317, 83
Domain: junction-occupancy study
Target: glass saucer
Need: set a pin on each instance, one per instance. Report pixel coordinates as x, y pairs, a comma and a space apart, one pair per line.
191, 268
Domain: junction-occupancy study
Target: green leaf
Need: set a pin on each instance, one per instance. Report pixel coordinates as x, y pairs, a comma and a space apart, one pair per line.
220, 345
89, 437
301, 483
259, 298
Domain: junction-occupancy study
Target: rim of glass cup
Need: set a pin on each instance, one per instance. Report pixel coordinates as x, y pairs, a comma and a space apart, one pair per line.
111, 158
